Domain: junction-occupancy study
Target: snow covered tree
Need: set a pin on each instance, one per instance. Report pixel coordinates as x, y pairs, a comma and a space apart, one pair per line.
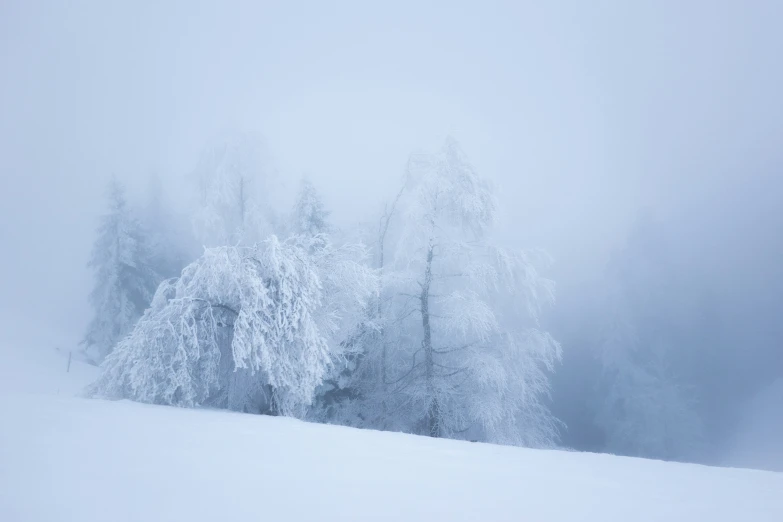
310, 216
456, 357
245, 328
230, 197
124, 277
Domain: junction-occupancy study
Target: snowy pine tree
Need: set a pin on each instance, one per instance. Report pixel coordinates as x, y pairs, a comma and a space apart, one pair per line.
124, 277
310, 216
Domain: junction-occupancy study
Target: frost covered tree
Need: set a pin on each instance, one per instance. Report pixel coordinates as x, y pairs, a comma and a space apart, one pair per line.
310, 216
230, 206
125, 279
246, 328
460, 353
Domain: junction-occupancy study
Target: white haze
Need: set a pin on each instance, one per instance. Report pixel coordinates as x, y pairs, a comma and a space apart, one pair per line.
585, 114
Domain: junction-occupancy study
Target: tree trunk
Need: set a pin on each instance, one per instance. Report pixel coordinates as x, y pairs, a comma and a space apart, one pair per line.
433, 407
383, 229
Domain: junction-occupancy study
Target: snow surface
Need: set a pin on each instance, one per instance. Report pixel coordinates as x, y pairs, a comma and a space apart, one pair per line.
34, 359
69, 459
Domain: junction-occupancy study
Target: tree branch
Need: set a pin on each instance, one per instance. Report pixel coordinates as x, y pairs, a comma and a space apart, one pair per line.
450, 350
414, 365
452, 374
215, 305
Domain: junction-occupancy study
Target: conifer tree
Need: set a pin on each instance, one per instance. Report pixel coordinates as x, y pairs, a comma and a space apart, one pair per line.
124, 278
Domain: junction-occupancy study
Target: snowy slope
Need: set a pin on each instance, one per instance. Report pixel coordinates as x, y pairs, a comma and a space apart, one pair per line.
34, 359
68, 459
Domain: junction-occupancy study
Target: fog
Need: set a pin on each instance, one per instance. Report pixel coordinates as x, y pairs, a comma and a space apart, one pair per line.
588, 117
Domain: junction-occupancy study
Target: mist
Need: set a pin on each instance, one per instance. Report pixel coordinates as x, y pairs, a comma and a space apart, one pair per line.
615, 134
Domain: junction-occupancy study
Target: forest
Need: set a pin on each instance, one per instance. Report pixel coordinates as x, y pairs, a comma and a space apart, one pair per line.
417, 318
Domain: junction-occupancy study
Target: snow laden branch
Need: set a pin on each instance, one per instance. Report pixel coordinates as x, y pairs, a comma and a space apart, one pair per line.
252, 329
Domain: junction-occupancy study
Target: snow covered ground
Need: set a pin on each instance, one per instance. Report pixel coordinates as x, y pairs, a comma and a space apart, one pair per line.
34, 359
67, 459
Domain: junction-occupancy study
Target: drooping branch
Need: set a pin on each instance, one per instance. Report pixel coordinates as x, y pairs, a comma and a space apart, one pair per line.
452, 350
215, 305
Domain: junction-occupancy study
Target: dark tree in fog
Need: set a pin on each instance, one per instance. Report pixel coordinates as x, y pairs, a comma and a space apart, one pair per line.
125, 279
645, 406
310, 216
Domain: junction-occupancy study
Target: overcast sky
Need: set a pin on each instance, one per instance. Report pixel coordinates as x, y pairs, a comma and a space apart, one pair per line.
582, 112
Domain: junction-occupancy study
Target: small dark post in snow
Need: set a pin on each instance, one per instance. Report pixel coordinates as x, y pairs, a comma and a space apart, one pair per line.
68, 369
